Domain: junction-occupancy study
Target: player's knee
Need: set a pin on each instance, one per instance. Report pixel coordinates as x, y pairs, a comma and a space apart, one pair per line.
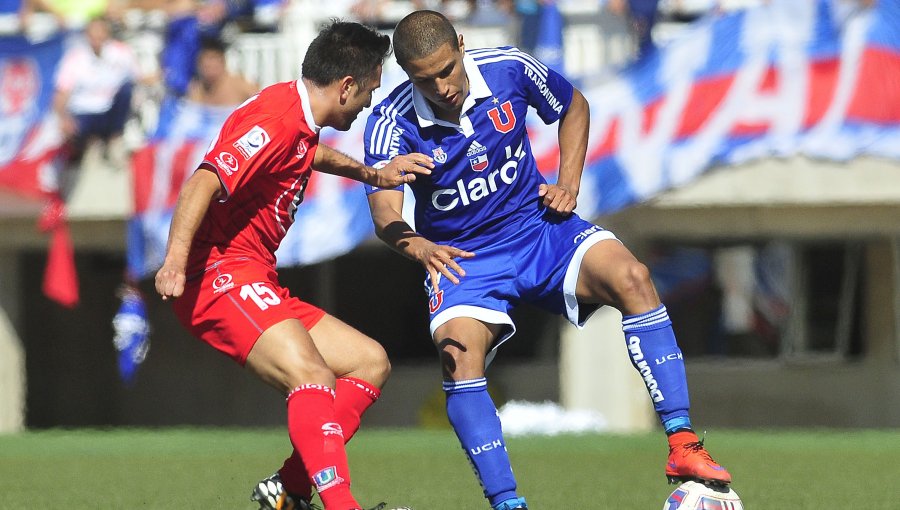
459, 363
633, 286
305, 372
376, 366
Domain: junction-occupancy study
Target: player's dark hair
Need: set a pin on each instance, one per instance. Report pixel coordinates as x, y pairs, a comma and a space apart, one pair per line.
342, 49
420, 34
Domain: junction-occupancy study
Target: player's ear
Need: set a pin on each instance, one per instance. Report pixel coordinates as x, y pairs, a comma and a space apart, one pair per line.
346, 85
462, 45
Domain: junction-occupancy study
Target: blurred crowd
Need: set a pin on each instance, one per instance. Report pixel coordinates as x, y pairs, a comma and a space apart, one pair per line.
101, 77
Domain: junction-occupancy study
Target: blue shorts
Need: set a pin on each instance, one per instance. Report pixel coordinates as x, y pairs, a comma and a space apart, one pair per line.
540, 266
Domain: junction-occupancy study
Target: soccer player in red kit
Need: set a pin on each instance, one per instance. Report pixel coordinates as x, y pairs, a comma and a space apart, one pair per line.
219, 268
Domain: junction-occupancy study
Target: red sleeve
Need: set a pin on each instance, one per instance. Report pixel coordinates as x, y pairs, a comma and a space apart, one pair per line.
244, 148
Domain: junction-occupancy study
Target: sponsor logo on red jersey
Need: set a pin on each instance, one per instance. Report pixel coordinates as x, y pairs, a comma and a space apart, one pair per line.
227, 162
222, 283
302, 148
254, 140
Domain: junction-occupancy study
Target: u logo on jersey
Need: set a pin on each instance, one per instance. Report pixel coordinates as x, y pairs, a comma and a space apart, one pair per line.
506, 124
435, 301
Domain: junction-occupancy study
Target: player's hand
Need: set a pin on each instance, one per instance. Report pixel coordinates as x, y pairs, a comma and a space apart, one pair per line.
558, 199
403, 170
170, 281
439, 260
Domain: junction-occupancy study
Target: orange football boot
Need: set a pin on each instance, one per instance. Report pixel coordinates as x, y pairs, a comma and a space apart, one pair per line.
689, 460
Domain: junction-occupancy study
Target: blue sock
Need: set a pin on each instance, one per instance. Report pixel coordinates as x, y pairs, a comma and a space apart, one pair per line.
656, 356
476, 422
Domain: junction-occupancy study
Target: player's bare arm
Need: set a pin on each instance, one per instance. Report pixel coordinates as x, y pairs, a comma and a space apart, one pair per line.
386, 207
193, 201
401, 169
573, 135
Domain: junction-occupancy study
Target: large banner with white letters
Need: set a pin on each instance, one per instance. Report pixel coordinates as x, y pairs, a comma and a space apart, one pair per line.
779, 80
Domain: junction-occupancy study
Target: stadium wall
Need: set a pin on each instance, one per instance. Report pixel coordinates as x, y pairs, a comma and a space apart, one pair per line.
72, 379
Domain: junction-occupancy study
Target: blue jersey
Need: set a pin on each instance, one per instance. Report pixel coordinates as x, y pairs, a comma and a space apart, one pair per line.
485, 181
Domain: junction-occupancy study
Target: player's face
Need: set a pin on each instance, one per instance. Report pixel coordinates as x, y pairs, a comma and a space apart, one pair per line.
359, 98
441, 78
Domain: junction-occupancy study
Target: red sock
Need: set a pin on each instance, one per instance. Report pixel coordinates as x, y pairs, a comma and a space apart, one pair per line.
294, 477
318, 437
352, 398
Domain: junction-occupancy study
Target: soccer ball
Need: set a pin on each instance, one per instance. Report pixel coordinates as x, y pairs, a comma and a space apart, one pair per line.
697, 496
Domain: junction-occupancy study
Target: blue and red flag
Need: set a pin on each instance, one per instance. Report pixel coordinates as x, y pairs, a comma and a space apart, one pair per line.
30, 146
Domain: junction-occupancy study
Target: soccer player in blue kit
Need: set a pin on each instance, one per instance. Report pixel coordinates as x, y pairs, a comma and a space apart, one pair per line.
488, 223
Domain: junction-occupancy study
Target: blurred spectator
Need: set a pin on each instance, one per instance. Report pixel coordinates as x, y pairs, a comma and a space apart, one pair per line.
429, 5
846, 9
93, 90
190, 21
493, 13
77, 13
529, 13
256, 15
686, 11
642, 15
181, 43
214, 84
372, 13
14, 14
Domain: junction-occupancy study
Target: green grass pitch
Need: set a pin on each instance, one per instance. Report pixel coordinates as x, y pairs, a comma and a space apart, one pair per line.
426, 470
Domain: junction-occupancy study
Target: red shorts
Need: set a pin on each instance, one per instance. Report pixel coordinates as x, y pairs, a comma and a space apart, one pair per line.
234, 301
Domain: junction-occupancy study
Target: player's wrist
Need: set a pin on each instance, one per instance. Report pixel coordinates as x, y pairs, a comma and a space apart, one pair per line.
175, 261
571, 188
370, 176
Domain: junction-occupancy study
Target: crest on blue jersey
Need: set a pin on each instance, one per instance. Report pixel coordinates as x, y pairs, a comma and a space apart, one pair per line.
477, 155
439, 155
507, 122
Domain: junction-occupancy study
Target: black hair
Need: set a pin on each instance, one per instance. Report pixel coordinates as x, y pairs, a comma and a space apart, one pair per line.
342, 49
420, 34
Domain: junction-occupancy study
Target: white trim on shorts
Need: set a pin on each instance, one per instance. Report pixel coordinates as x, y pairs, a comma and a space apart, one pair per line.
571, 278
479, 313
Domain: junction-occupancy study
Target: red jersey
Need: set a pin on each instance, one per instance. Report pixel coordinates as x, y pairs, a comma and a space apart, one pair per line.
263, 156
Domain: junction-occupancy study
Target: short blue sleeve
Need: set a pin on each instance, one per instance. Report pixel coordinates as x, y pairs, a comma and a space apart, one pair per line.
384, 139
547, 91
